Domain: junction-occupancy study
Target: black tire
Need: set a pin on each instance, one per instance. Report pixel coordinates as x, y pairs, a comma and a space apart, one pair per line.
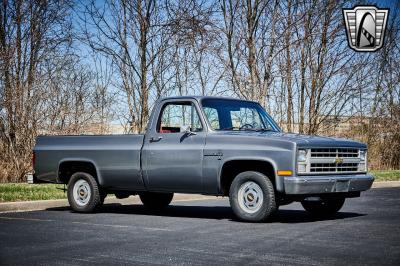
324, 207
90, 203
264, 207
156, 200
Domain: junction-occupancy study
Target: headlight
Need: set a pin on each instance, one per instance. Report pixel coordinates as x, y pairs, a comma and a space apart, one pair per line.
363, 155
362, 166
302, 161
301, 156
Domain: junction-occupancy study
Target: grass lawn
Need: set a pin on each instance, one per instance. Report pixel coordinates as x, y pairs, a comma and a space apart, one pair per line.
391, 175
23, 192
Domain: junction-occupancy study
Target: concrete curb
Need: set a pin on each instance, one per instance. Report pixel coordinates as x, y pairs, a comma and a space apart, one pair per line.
46, 204
383, 184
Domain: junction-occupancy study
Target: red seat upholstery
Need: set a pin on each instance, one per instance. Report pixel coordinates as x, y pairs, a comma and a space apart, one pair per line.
165, 130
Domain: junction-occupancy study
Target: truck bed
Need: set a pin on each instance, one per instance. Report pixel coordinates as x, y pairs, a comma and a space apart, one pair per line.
116, 157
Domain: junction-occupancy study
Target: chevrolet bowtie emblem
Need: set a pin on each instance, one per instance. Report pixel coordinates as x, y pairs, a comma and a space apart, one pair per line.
365, 27
339, 160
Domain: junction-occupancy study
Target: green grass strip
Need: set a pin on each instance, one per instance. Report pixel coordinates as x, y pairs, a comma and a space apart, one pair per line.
23, 192
392, 175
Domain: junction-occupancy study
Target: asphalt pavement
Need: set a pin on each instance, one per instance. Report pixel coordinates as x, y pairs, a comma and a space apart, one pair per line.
204, 232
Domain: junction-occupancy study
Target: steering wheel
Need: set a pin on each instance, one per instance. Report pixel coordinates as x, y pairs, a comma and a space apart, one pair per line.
246, 126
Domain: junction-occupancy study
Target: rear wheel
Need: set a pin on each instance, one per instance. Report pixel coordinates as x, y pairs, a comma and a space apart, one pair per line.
323, 207
156, 200
252, 197
83, 192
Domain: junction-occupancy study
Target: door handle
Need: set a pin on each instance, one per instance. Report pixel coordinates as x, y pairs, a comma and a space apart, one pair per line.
155, 139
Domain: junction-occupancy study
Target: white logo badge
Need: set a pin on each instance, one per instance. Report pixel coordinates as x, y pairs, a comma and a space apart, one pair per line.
365, 27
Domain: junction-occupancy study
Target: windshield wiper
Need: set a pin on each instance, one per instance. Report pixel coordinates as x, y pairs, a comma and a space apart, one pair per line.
263, 130
247, 129
256, 129
227, 128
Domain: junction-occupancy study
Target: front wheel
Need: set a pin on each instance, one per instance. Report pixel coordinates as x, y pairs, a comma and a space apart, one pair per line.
323, 207
156, 200
252, 197
83, 192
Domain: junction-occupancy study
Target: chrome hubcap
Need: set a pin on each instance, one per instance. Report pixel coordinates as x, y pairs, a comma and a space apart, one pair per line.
250, 197
81, 192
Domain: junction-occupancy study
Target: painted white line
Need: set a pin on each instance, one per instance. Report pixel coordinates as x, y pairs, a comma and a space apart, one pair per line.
125, 226
85, 260
106, 225
157, 229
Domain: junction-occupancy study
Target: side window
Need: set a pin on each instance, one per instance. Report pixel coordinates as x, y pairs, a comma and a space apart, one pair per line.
212, 116
174, 116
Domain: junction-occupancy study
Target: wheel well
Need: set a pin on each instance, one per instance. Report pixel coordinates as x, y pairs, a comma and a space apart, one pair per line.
232, 168
67, 169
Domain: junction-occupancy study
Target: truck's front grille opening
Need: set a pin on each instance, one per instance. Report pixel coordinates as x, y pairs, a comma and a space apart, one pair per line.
333, 167
333, 153
328, 160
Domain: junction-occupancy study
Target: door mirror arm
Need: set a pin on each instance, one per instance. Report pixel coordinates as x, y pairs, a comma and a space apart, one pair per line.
190, 133
185, 129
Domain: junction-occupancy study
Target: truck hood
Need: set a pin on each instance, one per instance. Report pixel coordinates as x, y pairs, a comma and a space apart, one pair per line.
303, 140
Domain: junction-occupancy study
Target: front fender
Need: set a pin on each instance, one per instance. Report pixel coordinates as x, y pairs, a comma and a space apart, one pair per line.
278, 180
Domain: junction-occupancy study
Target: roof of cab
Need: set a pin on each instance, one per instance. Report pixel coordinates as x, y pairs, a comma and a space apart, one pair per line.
199, 98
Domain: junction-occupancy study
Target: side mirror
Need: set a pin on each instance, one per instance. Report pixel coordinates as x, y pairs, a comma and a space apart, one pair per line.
185, 129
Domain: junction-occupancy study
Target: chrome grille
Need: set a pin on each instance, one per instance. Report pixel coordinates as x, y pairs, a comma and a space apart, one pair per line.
333, 167
333, 153
332, 160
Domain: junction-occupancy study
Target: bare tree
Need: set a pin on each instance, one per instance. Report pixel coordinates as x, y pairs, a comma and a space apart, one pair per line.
128, 33
250, 31
44, 87
31, 35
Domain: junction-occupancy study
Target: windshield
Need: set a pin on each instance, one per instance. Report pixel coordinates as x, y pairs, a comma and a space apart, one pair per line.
224, 114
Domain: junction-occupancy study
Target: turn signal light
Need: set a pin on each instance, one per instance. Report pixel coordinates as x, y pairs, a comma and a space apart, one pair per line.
285, 172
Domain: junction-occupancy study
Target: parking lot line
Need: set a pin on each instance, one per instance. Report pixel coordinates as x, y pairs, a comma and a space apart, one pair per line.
125, 226
106, 225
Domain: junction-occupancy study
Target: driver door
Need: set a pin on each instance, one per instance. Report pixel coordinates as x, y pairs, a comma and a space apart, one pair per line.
173, 156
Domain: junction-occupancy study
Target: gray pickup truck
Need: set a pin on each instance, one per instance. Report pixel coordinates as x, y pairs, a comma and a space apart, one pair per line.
207, 145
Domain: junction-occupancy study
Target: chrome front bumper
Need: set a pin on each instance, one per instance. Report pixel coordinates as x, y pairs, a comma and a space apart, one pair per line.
327, 184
